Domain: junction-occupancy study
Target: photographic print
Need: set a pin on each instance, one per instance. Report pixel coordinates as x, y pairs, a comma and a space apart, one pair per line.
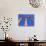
25, 19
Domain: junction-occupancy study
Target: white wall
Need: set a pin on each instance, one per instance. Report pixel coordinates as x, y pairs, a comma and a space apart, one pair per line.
11, 8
